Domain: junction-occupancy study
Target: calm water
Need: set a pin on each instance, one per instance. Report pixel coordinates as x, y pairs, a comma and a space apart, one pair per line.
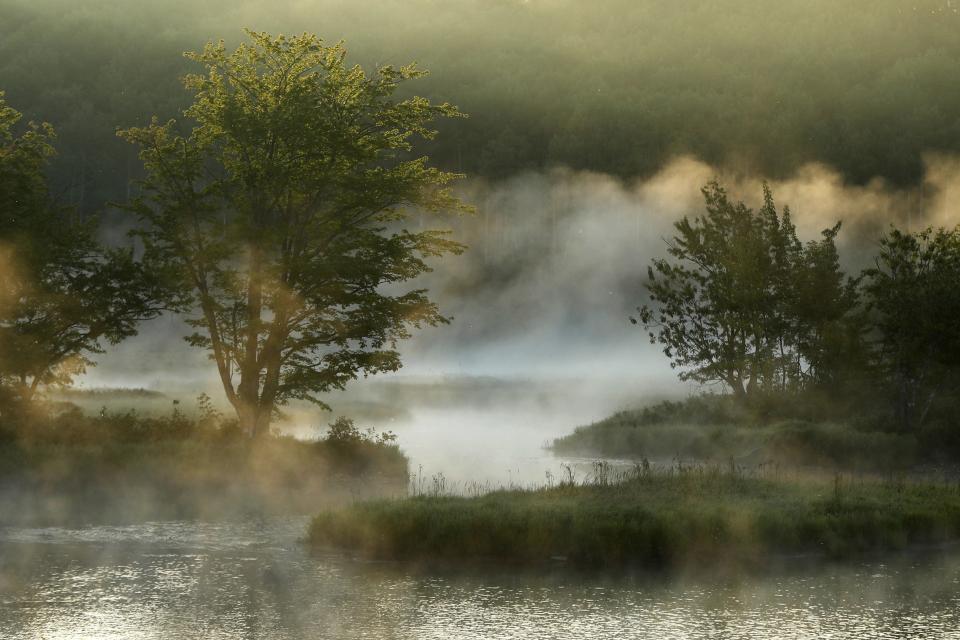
254, 580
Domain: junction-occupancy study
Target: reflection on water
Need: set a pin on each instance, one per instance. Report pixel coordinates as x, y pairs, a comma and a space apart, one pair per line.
254, 580
495, 447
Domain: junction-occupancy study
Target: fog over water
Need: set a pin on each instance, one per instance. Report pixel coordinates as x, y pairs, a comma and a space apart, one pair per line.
556, 264
540, 341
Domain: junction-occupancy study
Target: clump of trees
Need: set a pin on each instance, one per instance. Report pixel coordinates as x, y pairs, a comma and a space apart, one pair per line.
63, 294
913, 292
743, 303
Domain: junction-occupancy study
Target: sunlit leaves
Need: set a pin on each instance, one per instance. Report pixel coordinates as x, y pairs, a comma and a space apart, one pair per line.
281, 216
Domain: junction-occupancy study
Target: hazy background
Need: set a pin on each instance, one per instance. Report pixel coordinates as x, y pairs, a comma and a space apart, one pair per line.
557, 264
592, 127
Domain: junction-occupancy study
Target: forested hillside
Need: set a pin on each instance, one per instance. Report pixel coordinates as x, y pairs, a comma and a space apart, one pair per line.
619, 87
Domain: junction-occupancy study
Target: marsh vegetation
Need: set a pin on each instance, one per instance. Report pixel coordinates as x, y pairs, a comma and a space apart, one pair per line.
716, 428
678, 517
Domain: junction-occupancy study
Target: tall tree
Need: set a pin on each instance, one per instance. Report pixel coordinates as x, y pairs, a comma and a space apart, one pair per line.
914, 295
62, 294
281, 215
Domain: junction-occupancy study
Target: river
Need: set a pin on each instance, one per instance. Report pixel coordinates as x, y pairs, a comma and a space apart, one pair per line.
253, 578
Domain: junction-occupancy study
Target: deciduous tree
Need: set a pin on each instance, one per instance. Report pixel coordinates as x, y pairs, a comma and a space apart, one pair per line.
62, 294
283, 216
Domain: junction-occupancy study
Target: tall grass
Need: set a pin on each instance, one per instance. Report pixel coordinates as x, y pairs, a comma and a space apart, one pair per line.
653, 516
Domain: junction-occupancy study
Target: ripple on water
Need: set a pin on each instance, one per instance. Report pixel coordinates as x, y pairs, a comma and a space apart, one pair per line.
252, 579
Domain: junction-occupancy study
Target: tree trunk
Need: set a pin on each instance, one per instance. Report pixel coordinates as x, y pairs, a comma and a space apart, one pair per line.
248, 391
262, 425
247, 415
736, 385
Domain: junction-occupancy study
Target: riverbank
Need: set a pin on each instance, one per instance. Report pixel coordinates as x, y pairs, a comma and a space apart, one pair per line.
71, 468
680, 517
716, 428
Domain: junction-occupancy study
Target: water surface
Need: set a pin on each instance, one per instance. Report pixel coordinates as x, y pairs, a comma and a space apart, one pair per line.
253, 579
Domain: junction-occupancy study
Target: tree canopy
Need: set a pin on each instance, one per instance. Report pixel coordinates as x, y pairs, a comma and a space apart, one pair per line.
281, 216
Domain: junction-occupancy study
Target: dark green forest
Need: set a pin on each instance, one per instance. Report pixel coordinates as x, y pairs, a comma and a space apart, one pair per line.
618, 87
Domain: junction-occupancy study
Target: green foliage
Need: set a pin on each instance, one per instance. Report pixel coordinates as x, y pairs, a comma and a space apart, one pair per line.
914, 294
62, 295
744, 303
281, 216
681, 517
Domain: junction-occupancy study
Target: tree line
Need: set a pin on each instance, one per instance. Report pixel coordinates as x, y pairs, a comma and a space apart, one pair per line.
742, 303
272, 216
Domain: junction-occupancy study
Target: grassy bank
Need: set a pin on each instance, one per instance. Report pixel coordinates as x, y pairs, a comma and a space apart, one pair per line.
681, 517
716, 428
75, 468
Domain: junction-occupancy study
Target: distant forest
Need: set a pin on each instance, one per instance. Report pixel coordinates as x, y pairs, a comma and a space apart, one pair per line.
866, 86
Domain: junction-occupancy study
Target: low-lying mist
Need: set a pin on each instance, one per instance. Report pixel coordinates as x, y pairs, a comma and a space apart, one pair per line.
557, 263
540, 340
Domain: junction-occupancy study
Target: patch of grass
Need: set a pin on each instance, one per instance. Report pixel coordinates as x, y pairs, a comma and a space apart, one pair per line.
680, 517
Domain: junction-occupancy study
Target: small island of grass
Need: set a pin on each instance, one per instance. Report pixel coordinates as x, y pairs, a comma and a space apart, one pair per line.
680, 517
